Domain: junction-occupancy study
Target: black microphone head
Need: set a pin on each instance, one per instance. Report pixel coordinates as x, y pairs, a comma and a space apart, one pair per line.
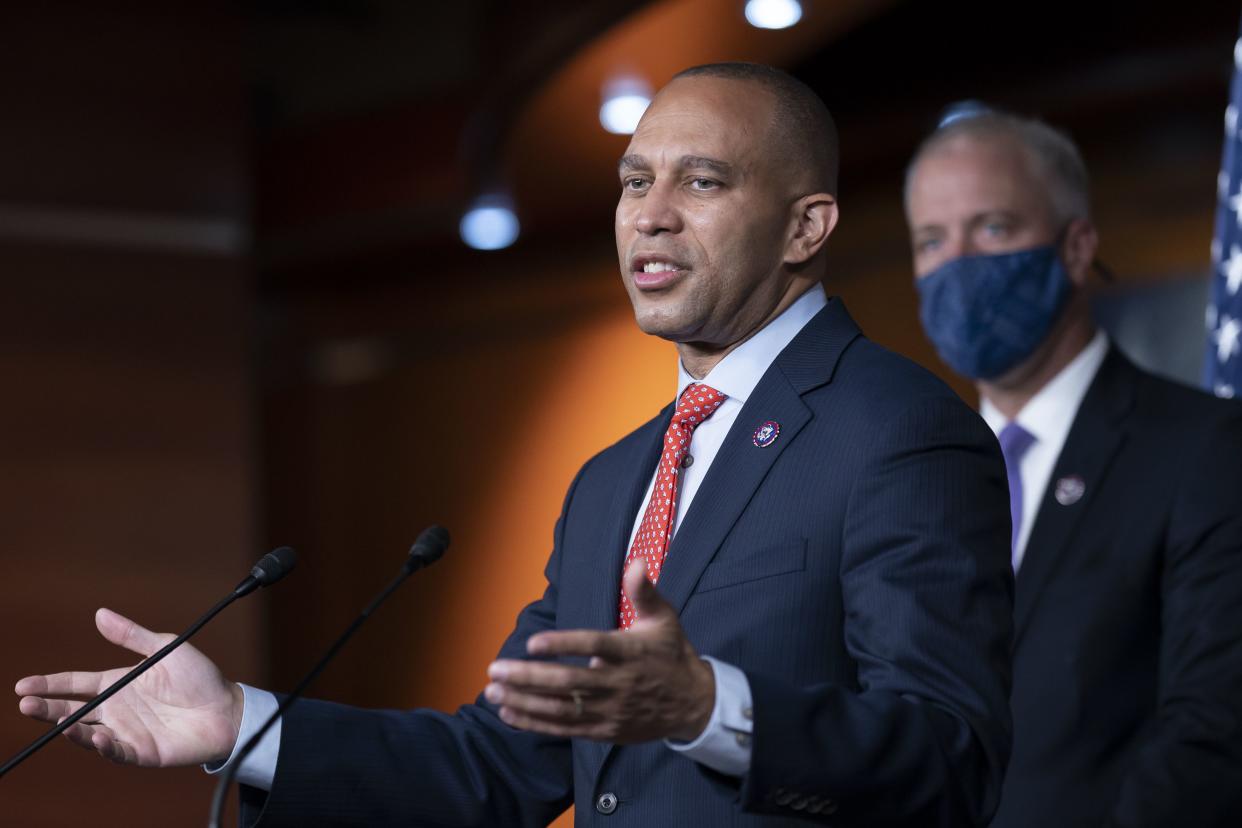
274, 565
428, 548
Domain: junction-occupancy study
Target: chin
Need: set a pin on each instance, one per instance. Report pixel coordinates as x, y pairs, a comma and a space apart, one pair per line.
657, 321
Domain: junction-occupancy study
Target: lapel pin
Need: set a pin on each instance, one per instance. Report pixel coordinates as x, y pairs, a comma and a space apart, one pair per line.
1070, 490
766, 434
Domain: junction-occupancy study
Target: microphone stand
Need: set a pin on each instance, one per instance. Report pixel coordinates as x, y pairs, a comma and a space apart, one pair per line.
426, 550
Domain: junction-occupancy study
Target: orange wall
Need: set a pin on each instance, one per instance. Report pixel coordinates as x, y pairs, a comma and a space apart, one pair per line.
481, 431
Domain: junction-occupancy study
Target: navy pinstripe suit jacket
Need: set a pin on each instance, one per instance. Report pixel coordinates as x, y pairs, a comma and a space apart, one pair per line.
857, 570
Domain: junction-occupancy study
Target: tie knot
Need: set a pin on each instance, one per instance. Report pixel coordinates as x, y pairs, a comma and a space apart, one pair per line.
697, 403
1014, 441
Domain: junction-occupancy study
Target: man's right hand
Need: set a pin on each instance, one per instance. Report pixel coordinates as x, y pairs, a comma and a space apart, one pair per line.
180, 712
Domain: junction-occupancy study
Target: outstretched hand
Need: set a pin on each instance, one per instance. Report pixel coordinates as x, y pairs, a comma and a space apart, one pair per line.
641, 684
180, 712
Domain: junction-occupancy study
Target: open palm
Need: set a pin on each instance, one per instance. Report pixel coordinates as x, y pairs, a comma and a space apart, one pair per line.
180, 712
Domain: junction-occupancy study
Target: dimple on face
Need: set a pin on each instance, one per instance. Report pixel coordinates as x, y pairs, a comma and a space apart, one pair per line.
700, 223
972, 196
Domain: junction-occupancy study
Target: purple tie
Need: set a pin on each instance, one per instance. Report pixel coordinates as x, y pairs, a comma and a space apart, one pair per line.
1014, 442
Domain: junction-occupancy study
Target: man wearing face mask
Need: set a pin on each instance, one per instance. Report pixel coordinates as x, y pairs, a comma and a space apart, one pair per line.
1125, 493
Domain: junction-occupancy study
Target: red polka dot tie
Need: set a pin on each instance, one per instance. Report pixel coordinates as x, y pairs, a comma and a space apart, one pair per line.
698, 402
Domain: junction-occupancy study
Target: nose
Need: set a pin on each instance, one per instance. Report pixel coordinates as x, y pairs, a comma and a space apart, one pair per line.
657, 212
958, 245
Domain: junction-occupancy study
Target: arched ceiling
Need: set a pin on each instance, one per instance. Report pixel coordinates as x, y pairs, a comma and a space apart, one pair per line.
378, 120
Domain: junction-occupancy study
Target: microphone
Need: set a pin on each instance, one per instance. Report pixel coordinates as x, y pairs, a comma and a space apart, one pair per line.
271, 568
427, 549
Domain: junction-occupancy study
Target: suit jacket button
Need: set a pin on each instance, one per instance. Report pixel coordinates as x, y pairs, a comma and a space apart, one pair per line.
607, 803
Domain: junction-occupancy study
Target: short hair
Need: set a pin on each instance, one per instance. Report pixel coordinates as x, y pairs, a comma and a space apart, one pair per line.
1055, 155
802, 121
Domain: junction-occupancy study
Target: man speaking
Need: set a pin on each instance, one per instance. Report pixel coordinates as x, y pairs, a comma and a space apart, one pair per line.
814, 617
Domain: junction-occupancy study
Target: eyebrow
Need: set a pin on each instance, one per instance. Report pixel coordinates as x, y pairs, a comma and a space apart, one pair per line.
693, 162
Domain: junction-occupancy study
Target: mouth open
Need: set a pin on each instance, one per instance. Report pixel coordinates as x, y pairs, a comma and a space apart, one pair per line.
654, 273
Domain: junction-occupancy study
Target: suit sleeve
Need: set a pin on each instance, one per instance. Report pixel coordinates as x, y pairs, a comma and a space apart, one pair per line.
922, 737
341, 765
1188, 768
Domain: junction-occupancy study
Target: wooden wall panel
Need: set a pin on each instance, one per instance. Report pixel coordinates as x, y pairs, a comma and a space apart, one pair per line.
127, 436
126, 481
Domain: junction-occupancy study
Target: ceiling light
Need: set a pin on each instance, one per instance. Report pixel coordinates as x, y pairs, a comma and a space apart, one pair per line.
773, 14
625, 101
961, 110
490, 224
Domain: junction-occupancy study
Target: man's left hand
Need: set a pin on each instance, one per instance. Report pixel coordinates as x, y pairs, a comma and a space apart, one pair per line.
641, 684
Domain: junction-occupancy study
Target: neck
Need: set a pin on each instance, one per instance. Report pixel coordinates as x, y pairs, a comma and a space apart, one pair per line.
699, 361
1012, 391
699, 358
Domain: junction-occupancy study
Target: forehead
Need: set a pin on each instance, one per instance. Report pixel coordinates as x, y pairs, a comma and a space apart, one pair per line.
968, 174
714, 117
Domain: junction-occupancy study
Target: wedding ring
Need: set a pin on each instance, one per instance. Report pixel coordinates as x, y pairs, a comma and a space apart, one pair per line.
577, 695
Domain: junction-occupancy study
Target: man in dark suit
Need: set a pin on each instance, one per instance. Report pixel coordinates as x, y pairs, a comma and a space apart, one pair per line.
1126, 497
837, 527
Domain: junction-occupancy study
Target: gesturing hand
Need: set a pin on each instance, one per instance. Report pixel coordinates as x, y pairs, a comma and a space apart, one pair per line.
641, 684
180, 712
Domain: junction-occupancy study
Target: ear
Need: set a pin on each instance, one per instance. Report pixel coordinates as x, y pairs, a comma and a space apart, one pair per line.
814, 216
1078, 250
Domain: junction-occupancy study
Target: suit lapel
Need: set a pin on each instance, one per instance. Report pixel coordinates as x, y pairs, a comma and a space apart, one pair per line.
740, 466
735, 474
601, 608
1093, 442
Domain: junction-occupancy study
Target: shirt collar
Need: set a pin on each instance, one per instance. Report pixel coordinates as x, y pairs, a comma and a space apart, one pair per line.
1049, 414
739, 372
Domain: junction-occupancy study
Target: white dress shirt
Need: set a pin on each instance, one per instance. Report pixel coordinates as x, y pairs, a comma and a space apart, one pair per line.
724, 744
1048, 417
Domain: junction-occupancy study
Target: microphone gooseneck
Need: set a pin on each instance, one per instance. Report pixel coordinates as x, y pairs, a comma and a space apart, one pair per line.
271, 568
427, 549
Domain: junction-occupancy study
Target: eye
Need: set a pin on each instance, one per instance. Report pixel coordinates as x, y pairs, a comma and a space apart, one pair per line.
634, 184
997, 229
926, 245
704, 184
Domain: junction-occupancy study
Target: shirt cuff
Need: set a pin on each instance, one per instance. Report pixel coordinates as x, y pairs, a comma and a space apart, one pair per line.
724, 745
259, 768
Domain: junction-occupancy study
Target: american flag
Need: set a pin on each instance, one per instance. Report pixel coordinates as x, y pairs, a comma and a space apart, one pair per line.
1222, 364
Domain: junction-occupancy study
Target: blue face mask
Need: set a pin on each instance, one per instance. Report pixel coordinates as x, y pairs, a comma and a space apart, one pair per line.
986, 314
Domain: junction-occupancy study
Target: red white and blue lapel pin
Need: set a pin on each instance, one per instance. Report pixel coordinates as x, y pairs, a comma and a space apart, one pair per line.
766, 434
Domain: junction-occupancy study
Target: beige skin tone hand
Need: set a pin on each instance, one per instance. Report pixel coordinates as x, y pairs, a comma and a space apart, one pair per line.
641, 684
180, 712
